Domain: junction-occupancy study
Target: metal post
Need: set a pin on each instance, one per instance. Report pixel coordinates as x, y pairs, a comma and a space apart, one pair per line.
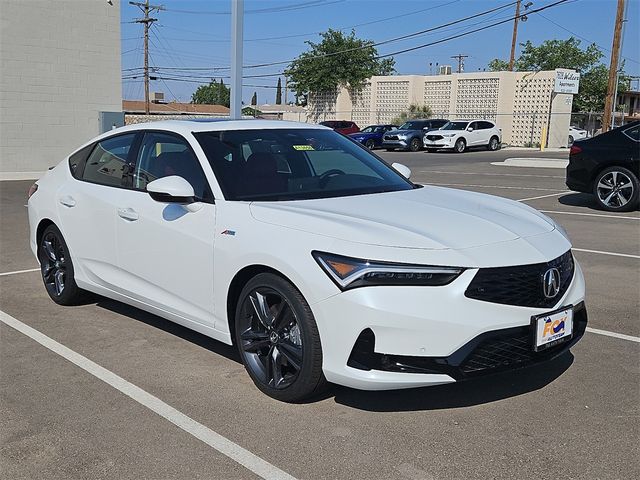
533, 126
237, 34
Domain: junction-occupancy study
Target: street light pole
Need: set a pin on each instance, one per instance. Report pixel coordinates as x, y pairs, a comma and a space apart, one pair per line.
237, 34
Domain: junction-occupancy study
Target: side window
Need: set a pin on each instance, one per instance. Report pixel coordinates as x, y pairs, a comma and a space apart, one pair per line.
485, 125
162, 155
107, 164
78, 160
473, 125
633, 133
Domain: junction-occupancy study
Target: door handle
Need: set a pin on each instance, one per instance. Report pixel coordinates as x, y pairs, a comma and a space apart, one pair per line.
128, 214
68, 201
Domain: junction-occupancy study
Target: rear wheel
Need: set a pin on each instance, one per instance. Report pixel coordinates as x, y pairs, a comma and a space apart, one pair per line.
570, 140
278, 339
616, 189
370, 144
494, 144
415, 145
460, 145
57, 268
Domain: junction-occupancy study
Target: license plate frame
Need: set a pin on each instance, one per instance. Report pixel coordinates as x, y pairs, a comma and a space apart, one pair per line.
537, 326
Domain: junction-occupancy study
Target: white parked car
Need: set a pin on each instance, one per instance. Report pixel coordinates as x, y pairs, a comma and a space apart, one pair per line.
576, 133
458, 135
318, 260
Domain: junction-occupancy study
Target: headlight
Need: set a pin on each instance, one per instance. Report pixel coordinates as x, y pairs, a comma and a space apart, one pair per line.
448, 134
349, 272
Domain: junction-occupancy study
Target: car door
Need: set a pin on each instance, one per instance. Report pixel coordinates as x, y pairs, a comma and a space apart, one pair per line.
86, 207
166, 250
474, 137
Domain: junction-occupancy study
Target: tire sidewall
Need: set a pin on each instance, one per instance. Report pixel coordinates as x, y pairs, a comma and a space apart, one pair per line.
458, 142
310, 374
370, 144
494, 146
415, 145
71, 292
632, 204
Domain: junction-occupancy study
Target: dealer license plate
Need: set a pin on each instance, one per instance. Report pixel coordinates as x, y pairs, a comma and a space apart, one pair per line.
553, 328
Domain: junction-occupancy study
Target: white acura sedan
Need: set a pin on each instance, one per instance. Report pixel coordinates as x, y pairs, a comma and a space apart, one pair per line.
320, 261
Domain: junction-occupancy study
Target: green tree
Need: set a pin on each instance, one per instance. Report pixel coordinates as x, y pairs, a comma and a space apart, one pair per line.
212, 94
339, 60
414, 111
552, 54
254, 99
279, 92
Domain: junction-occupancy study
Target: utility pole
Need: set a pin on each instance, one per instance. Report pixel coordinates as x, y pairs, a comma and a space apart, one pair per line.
460, 59
512, 58
286, 89
612, 87
147, 21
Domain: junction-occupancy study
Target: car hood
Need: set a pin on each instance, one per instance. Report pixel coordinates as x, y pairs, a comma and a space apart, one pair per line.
441, 132
362, 135
425, 218
402, 132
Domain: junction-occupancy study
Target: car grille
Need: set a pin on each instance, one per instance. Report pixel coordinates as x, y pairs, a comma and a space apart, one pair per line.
391, 137
520, 285
434, 137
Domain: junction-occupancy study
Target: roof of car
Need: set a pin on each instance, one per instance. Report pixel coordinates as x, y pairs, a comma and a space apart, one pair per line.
185, 127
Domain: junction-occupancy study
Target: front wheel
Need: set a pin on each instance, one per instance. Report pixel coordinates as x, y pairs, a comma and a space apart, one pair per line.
278, 339
460, 146
57, 268
370, 144
616, 189
415, 145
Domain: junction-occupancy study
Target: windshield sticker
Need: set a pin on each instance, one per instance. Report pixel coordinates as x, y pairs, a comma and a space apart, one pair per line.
303, 147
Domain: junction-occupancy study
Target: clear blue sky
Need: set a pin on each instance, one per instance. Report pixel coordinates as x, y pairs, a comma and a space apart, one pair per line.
195, 34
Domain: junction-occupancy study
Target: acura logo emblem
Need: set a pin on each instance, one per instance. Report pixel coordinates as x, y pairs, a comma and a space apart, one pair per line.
551, 282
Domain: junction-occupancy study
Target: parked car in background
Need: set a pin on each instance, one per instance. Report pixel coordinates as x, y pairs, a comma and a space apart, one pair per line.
344, 127
576, 133
371, 136
409, 134
608, 166
458, 135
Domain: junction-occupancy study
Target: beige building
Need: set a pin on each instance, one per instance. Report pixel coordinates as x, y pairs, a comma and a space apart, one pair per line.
521, 103
59, 68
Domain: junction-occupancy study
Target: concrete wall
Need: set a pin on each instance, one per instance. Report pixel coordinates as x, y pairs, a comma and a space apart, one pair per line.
519, 102
59, 67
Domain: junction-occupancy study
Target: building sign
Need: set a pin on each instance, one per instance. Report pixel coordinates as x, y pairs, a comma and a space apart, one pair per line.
567, 81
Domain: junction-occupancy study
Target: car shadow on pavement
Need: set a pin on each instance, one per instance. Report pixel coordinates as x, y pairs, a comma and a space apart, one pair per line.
580, 200
457, 395
228, 351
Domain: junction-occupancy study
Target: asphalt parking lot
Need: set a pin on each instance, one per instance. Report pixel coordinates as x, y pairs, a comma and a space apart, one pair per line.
574, 418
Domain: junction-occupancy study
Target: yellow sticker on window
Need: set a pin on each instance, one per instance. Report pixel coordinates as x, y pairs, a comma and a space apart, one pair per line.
302, 147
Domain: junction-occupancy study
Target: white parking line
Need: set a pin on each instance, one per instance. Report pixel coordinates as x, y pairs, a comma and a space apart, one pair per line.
493, 174
244, 457
543, 196
19, 271
496, 186
627, 255
590, 214
621, 336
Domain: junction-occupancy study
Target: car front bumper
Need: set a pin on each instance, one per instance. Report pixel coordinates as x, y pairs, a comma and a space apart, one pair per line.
439, 144
419, 336
400, 143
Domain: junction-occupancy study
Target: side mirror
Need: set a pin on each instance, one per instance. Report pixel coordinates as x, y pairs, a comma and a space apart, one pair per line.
174, 189
470, 129
402, 170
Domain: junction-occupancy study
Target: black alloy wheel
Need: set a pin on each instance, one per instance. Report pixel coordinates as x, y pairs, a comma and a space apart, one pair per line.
460, 146
278, 339
57, 268
494, 144
370, 144
415, 145
616, 189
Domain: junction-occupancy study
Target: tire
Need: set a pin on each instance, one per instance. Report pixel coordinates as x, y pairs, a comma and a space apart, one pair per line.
415, 145
274, 322
432, 150
460, 146
570, 140
56, 268
494, 144
370, 144
616, 189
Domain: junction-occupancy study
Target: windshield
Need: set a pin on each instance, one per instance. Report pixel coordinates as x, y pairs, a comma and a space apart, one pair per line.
373, 129
295, 164
455, 126
413, 126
